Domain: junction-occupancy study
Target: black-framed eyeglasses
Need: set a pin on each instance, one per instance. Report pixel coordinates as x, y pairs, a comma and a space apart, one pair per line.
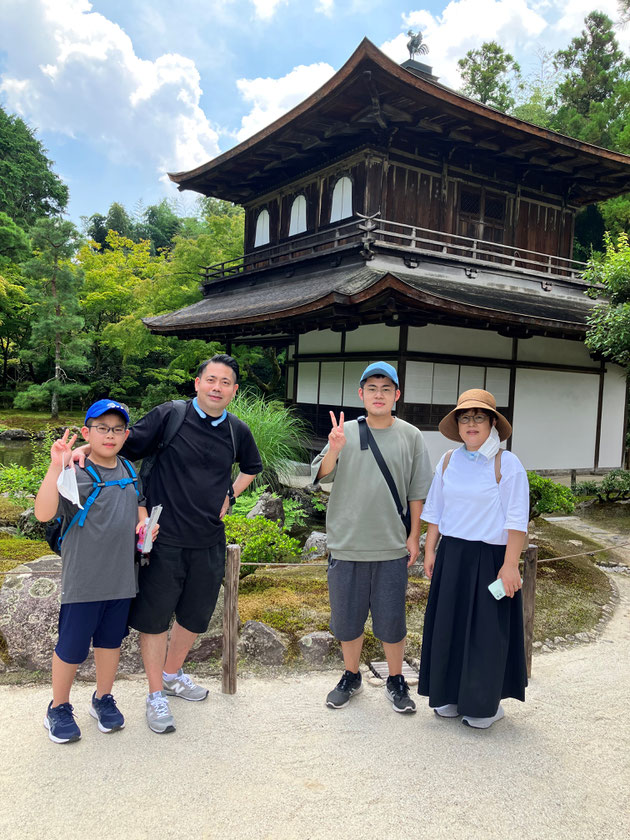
477, 419
102, 429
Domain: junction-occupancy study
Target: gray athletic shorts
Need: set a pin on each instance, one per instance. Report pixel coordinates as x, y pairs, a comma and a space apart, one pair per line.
377, 586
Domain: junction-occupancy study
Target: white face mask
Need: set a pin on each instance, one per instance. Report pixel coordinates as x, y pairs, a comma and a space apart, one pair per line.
67, 486
490, 447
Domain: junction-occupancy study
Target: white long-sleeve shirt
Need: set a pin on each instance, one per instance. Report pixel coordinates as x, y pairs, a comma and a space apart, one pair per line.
467, 502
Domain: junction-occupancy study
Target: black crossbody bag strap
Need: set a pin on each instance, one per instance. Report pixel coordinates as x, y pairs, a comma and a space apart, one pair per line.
366, 438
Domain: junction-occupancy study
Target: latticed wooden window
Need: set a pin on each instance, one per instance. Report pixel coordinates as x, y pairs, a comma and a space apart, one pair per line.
481, 215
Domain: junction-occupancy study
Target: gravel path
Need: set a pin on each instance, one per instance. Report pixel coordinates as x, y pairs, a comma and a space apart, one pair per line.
273, 763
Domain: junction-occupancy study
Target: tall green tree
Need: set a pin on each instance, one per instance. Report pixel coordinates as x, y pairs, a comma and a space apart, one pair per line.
29, 189
592, 100
14, 243
490, 75
609, 323
537, 91
57, 344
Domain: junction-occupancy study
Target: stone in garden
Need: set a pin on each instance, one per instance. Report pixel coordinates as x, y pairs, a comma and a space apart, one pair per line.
268, 506
8, 530
559, 640
31, 527
15, 434
582, 637
315, 546
209, 645
317, 647
262, 643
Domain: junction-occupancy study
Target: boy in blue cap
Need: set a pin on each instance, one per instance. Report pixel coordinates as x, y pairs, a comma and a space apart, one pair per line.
369, 546
97, 549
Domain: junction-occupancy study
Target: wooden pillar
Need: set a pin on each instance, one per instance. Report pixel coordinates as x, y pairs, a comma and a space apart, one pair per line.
530, 564
230, 618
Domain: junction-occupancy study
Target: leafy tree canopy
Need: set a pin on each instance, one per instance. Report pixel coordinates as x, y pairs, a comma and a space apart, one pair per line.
489, 75
29, 189
609, 323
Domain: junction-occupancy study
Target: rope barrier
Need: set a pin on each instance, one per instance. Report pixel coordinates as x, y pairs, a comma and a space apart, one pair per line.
325, 565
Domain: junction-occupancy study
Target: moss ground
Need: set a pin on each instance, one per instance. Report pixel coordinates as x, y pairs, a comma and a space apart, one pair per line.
37, 421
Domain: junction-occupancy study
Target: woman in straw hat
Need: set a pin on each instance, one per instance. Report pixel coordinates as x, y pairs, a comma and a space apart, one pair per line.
472, 646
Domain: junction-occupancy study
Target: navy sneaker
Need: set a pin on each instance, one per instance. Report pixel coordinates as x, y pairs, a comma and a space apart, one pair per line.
60, 723
106, 713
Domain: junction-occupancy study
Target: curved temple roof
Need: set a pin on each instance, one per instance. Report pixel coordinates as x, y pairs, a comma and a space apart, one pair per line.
372, 97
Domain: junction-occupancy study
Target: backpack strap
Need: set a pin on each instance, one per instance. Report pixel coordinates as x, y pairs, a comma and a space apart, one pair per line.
447, 458
497, 466
174, 422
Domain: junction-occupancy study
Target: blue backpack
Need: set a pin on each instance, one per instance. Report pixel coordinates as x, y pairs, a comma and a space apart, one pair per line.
55, 531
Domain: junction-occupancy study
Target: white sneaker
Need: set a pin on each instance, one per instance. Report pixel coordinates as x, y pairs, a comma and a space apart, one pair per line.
484, 722
448, 711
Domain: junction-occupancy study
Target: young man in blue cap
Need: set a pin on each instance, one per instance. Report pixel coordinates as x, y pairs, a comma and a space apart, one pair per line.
97, 578
369, 549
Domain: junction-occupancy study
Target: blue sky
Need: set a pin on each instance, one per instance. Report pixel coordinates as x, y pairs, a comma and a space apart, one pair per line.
122, 91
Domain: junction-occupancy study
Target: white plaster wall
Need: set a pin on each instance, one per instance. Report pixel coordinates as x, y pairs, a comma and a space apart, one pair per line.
308, 373
371, 337
320, 341
459, 341
351, 377
331, 383
555, 417
554, 351
611, 444
437, 445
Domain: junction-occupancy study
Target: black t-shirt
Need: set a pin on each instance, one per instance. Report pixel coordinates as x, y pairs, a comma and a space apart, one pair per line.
191, 476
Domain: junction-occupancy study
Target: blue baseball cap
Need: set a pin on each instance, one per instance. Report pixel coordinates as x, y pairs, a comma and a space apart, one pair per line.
380, 369
103, 406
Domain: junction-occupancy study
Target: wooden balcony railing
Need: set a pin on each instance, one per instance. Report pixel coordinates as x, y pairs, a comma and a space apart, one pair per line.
383, 234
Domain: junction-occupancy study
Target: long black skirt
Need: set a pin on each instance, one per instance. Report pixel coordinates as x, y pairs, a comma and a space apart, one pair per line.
473, 651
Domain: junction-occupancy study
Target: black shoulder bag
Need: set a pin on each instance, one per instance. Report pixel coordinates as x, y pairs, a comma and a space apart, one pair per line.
366, 438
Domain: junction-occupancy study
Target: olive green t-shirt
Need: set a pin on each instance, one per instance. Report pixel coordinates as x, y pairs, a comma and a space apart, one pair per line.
362, 522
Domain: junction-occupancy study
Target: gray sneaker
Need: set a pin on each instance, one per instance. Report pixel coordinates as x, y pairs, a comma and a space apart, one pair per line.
347, 686
159, 715
183, 686
397, 690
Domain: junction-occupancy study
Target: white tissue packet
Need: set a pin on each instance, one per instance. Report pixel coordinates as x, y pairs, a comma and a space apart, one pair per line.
67, 486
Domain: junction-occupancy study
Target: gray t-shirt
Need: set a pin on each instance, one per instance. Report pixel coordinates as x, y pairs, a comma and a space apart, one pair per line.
98, 558
362, 522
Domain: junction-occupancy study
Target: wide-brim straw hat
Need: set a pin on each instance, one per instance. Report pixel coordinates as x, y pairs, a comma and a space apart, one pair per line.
475, 398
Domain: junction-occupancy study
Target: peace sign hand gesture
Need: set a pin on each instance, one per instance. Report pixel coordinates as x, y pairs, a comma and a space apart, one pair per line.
336, 438
60, 451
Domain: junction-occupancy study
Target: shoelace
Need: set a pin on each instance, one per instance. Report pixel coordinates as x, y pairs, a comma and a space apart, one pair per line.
400, 688
184, 678
160, 704
64, 713
107, 700
344, 683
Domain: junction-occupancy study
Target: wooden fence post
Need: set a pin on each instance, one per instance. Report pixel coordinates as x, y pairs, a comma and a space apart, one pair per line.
230, 618
530, 563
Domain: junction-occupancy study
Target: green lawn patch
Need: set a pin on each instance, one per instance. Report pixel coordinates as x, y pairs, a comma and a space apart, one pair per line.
38, 421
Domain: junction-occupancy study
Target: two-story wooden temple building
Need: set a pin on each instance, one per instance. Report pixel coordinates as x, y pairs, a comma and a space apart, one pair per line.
388, 217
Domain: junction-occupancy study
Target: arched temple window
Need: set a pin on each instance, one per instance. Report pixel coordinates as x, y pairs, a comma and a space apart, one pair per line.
298, 216
262, 229
341, 200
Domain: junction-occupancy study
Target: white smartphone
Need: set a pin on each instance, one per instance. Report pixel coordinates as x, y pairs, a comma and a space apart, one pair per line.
497, 588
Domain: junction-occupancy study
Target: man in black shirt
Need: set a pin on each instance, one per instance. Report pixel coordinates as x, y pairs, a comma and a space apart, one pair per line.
191, 480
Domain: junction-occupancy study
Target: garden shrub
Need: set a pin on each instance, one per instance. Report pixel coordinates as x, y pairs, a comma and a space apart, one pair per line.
546, 496
261, 541
613, 488
20, 481
294, 513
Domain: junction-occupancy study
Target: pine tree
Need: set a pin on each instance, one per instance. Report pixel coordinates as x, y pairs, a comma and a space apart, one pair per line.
56, 340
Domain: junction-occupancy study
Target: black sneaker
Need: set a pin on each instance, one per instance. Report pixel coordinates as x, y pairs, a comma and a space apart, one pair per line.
348, 685
398, 692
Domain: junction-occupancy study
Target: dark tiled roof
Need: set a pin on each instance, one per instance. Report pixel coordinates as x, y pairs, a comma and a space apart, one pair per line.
274, 302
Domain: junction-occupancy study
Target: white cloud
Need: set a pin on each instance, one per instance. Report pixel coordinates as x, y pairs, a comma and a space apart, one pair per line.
271, 98
518, 25
265, 9
465, 25
326, 7
75, 72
